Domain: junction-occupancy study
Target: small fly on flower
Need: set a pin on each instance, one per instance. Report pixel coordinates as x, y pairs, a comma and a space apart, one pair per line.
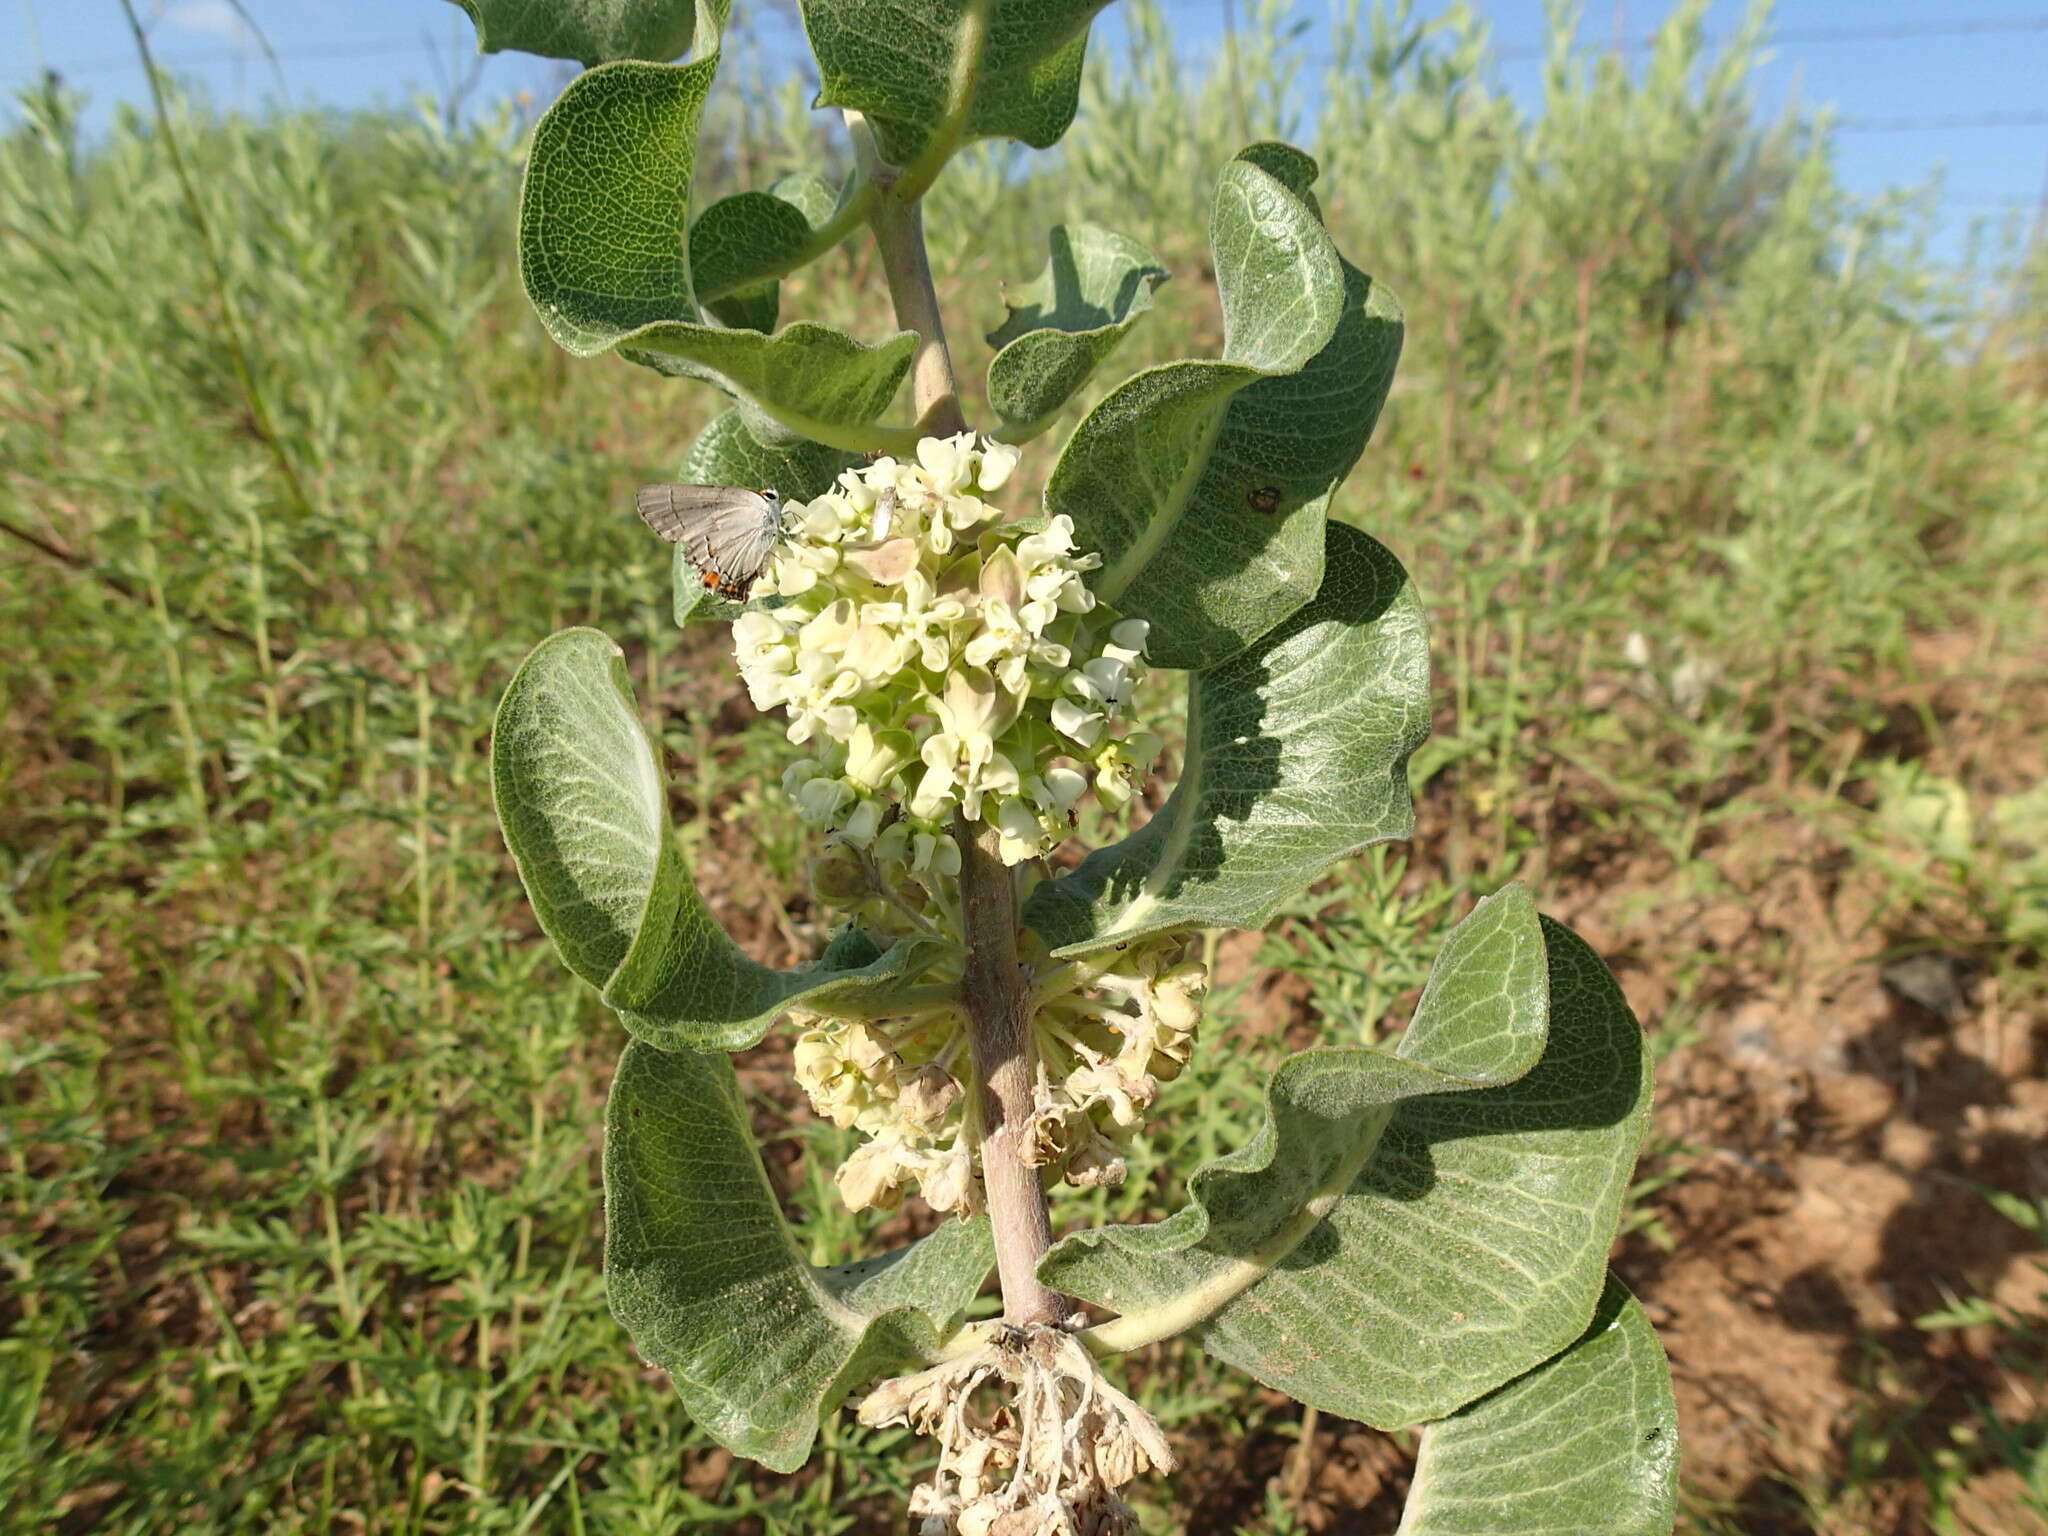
726, 531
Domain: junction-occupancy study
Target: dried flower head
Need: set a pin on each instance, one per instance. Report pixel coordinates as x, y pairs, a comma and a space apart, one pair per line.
1046, 1460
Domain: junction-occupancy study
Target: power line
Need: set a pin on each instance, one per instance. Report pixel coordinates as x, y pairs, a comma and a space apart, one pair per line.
1877, 32
1804, 37
383, 48
1821, 37
1895, 31
1939, 124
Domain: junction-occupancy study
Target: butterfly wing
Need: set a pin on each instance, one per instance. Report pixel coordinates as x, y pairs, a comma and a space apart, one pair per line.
726, 531
679, 513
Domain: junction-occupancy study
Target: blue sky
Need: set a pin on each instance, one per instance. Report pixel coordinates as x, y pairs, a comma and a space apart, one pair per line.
350, 52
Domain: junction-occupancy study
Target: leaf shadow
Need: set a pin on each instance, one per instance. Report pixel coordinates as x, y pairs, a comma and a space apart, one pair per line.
1293, 438
1244, 755
1588, 1079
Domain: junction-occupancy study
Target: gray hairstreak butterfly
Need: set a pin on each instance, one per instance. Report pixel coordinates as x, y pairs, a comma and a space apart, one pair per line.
726, 532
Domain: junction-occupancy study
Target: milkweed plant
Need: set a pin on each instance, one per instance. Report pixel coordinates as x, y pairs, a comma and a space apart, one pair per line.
1416, 1233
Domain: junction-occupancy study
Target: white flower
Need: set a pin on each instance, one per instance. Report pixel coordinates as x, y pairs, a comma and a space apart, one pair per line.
1018, 826
943, 460
997, 460
1112, 676
829, 631
1081, 726
1064, 786
871, 1176
875, 757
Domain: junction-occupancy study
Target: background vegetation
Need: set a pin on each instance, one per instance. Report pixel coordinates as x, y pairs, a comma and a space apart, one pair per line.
1728, 505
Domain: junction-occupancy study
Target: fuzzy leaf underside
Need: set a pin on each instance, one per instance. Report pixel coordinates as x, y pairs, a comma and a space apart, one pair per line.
706, 1277
898, 65
1062, 324
587, 31
1586, 1442
1408, 1230
584, 811
1297, 756
1295, 169
605, 256
1205, 483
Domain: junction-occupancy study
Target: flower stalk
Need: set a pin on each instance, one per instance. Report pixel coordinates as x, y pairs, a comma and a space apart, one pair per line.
999, 1037
898, 227
991, 985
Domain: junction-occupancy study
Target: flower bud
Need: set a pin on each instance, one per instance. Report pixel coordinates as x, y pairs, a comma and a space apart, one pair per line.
874, 757
861, 823
839, 876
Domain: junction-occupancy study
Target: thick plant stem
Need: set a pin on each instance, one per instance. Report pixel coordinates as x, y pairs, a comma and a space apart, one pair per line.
899, 234
992, 986
999, 1035
899, 240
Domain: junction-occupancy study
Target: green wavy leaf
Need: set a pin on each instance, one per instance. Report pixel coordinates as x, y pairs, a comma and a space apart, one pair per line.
741, 245
1295, 169
605, 255
588, 31
706, 1276
1297, 755
1586, 1442
1407, 1230
1014, 66
1204, 484
584, 811
1065, 322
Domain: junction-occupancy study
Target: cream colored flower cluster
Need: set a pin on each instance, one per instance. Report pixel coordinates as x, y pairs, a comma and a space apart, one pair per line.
932, 658
1104, 1049
1109, 1032
895, 1080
